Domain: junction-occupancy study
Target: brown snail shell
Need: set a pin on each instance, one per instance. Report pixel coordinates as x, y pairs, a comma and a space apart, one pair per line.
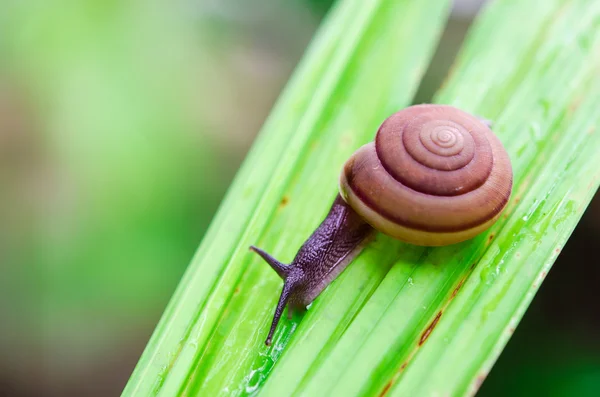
435, 175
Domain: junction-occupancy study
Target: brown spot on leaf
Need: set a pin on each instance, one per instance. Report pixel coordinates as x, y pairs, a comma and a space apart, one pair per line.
544, 274
491, 237
236, 290
386, 389
388, 385
557, 251
284, 201
458, 287
430, 328
479, 381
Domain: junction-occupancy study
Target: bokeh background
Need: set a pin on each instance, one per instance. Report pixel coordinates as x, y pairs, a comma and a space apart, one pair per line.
122, 123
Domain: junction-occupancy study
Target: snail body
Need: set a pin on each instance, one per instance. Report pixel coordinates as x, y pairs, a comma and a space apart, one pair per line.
435, 175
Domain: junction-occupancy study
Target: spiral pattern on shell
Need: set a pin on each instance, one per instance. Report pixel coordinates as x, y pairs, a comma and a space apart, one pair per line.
435, 175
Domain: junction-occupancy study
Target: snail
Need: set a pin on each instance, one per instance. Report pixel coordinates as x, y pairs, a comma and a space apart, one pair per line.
435, 175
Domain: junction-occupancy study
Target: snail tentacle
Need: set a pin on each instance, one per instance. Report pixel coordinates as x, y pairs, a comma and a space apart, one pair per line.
289, 284
281, 268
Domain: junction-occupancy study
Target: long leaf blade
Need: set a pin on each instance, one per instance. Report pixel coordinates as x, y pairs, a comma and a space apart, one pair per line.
210, 338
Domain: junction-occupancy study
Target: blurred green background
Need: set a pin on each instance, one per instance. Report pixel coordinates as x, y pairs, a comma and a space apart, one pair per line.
122, 123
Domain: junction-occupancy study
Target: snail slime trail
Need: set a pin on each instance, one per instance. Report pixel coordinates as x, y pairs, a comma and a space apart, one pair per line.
447, 178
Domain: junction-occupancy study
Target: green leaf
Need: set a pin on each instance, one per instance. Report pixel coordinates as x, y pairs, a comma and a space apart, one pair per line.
400, 320
364, 64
